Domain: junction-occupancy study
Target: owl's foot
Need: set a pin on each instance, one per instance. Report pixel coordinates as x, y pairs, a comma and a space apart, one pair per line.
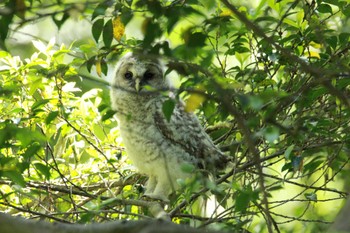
156, 197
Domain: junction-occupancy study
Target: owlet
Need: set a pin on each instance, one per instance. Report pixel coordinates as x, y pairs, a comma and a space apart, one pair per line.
158, 147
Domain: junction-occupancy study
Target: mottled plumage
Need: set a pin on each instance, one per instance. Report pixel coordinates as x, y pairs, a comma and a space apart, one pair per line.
156, 146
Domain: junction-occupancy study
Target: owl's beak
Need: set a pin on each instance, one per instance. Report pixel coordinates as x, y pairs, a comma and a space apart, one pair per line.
137, 84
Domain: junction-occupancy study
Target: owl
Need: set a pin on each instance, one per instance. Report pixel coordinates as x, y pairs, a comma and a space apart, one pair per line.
157, 146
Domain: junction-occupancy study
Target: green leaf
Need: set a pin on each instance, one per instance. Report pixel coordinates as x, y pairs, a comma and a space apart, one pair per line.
346, 10
196, 39
168, 108
311, 196
324, 8
287, 167
344, 37
51, 117
152, 31
6, 20
89, 63
102, 107
271, 134
129, 2
43, 169
209, 4
332, 41
108, 33
155, 7
86, 217
97, 28
31, 151
60, 22
311, 166
126, 15
288, 151
173, 15
187, 167
104, 67
109, 114
4, 54
15, 176
100, 9
39, 104
27, 136
242, 202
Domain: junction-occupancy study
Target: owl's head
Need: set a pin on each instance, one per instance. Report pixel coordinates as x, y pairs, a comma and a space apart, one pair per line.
134, 72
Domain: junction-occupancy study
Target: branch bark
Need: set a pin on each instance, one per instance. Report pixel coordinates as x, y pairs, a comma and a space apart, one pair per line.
11, 224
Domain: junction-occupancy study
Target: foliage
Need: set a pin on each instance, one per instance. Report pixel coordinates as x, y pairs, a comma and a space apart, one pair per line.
269, 80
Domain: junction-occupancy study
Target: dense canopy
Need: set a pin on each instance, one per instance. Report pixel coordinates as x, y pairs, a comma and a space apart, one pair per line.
268, 79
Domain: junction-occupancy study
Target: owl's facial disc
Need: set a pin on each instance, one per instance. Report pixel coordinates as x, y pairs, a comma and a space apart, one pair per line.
136, 73
139, 81
140, 77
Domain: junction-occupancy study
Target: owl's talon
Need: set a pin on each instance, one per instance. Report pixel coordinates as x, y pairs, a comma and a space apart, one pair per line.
154, 197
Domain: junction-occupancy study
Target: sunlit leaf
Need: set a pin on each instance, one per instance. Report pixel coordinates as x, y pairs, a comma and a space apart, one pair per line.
70, 87
226, 12
39, 45
194, 101
39, 104
98, 67
118, 28
314, 54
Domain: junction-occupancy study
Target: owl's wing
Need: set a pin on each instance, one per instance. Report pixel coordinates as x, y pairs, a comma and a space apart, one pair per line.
185, 130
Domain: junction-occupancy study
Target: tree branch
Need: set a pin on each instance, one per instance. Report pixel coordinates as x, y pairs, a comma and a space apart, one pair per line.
11, 224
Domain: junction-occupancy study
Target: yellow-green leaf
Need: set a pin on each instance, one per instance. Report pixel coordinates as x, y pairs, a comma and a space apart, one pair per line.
98, 68
118, 28
194, 101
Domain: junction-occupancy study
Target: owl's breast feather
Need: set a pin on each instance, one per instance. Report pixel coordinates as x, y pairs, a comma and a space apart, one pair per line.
146, 145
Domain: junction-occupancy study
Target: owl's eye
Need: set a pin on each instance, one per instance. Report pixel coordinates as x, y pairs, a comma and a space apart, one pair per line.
128, 75
148, 75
